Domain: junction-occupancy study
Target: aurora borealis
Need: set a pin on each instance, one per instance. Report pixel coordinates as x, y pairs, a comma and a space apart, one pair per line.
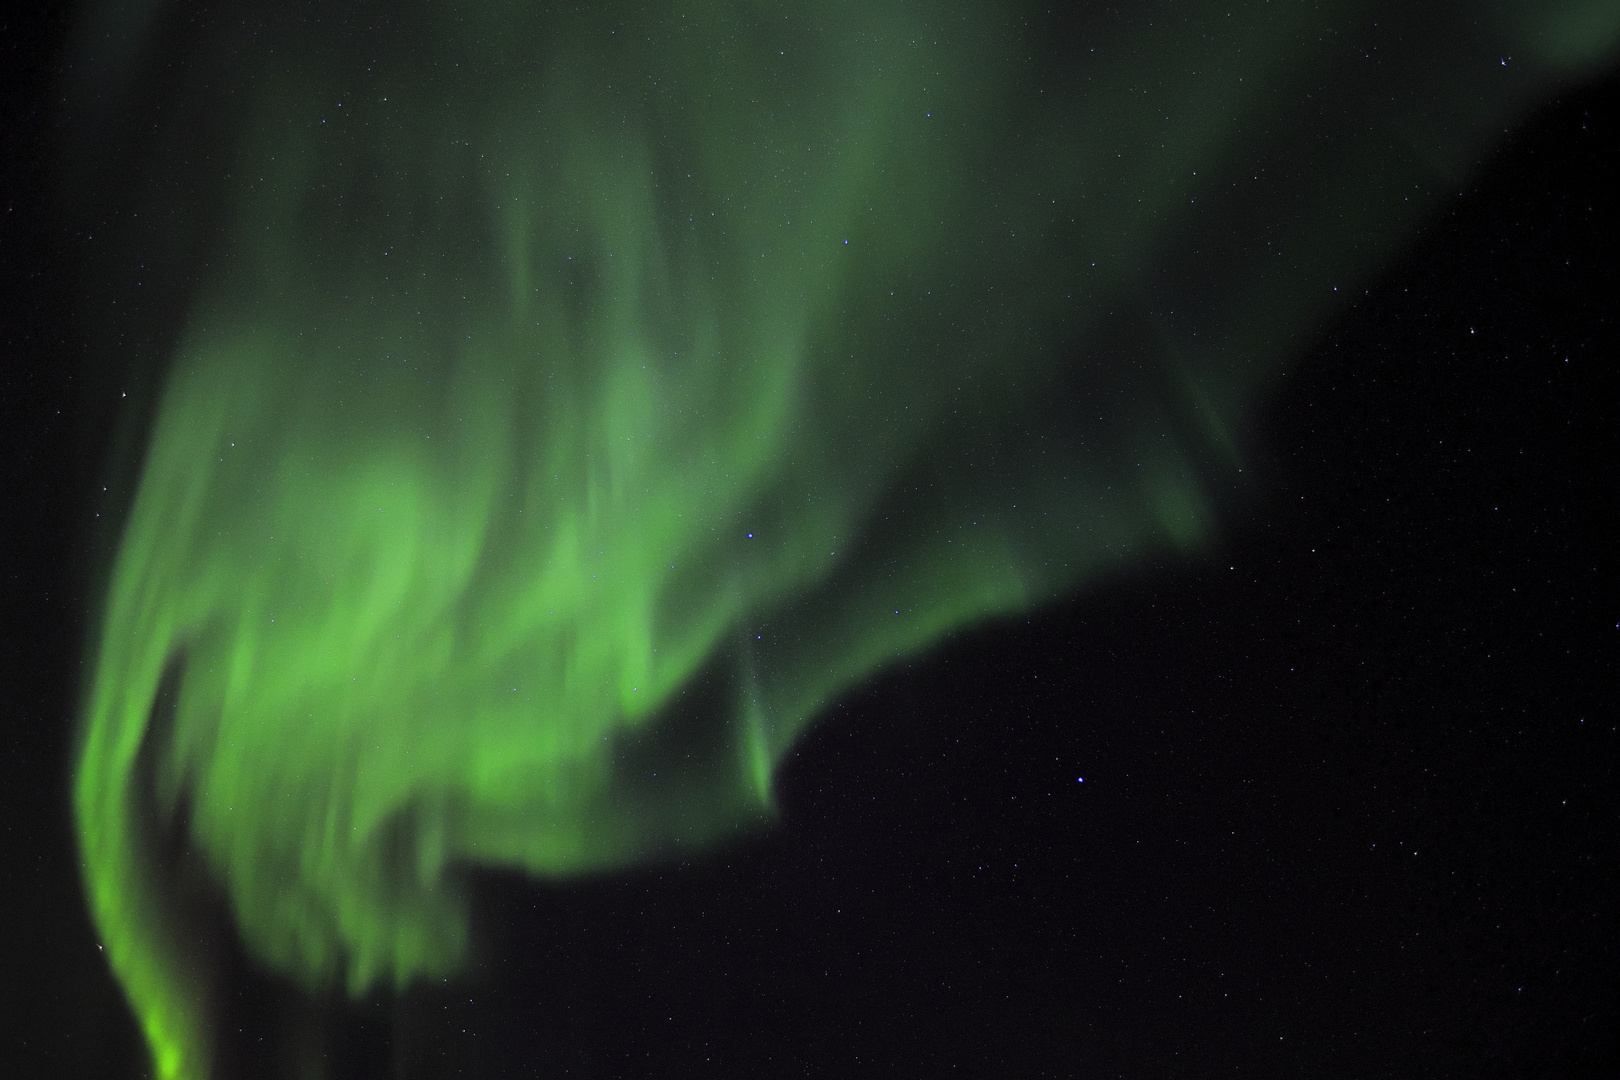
561, 376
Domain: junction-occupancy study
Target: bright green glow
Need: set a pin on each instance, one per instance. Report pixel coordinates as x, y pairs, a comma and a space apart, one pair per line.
556, 374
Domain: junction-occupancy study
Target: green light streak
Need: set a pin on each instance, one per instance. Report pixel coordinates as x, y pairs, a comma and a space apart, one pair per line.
574, 405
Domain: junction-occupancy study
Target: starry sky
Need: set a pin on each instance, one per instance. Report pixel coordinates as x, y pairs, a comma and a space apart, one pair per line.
1348, 779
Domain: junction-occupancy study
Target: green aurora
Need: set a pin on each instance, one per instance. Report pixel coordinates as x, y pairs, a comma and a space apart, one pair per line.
571, 403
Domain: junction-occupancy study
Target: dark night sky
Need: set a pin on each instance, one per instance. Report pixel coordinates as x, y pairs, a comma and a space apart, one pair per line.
1350, 784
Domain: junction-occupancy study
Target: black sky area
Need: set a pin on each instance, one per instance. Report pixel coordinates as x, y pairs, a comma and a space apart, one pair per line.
1349, 799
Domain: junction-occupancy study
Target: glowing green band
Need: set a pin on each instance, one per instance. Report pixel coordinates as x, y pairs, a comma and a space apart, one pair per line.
557, 375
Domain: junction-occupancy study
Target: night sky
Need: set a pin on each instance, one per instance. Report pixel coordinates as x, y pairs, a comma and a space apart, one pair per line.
1349, 798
